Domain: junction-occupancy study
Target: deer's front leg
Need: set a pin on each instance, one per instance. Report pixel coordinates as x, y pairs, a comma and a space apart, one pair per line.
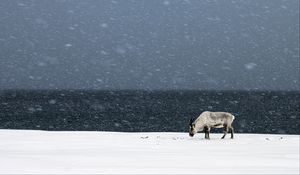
206, 130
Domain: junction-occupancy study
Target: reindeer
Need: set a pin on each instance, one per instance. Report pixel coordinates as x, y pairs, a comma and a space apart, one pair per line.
208, 120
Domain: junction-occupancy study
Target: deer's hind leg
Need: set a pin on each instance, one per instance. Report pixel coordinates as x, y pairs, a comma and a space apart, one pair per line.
225, 130
231, 130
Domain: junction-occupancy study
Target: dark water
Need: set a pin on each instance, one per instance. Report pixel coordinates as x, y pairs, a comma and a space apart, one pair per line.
256, 112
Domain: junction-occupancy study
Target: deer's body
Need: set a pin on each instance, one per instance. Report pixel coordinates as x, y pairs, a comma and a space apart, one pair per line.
208, 120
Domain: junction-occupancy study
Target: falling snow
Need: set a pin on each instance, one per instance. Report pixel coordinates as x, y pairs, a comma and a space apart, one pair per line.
250, 66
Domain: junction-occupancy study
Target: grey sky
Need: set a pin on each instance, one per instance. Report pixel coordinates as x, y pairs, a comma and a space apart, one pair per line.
149, 44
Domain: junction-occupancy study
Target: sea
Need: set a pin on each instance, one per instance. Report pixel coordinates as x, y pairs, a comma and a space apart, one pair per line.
274, 112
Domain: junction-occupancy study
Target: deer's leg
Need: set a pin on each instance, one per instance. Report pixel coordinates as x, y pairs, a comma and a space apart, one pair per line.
231, 131
206, 132
225, 131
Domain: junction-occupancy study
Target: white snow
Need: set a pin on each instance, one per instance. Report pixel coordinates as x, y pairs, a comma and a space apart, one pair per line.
166, 2
250, 66
23, 151
68, 45
52, 101
104, 25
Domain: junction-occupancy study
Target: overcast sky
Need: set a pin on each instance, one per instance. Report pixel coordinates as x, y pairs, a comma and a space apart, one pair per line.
149, 44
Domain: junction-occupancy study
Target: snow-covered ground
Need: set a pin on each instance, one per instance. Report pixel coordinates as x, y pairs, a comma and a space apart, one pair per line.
114, 152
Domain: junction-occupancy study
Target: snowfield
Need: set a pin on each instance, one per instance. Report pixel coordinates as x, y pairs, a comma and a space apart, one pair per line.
24, 151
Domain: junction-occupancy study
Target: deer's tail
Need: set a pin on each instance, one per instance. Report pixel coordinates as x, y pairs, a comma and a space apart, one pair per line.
233, 117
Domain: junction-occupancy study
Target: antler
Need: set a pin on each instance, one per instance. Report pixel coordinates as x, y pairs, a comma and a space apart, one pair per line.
192, 120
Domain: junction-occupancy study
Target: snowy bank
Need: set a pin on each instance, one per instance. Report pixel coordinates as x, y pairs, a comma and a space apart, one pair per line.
113, 152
